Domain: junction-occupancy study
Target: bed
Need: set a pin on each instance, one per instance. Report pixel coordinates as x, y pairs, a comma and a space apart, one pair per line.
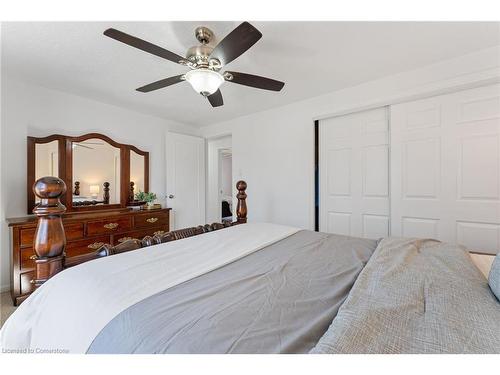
264, 288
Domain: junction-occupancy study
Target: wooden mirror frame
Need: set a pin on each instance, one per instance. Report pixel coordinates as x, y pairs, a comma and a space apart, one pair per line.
65, 169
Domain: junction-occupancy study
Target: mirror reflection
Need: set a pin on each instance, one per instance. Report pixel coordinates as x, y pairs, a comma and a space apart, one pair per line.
136, 174
96, 173
46, 160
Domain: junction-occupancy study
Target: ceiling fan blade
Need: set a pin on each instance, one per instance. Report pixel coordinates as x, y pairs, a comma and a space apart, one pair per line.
161, 83
255, 81
216, 99
236, 43
80, 145
143, 45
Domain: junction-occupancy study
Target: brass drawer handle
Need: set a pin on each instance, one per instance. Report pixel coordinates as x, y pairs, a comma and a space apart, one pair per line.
159, 233
123, 239
96, 245
152, 220
111, 226
33, 257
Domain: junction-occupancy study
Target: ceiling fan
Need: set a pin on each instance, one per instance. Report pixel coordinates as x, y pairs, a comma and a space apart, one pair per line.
205, 61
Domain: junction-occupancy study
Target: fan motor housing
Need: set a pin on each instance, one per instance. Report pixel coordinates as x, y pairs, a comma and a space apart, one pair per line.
201, 51
200, 56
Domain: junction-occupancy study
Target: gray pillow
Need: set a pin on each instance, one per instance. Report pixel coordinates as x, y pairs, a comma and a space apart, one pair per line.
494, 277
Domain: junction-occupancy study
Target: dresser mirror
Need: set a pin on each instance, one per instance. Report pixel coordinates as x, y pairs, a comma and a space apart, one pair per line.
137, 173
47, 160
96, 172
99, 172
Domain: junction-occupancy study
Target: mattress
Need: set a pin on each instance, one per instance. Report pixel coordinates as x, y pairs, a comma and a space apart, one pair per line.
280, 299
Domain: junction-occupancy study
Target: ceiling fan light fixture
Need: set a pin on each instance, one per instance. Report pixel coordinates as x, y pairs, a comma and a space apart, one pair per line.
204, 81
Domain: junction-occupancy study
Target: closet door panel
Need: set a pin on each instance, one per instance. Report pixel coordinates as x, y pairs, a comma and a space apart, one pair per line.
354, 172
445, 168
416, 169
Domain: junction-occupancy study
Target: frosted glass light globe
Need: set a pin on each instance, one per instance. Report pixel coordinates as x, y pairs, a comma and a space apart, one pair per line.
204, 81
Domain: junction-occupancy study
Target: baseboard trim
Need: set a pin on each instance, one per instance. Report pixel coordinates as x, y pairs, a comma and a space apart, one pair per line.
4, 288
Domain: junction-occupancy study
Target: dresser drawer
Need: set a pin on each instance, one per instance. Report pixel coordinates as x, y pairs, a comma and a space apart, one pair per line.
85, 246
27, 236
73, 248
26, 258
151, 219
25, 280
108, 226
73, 232
138, 234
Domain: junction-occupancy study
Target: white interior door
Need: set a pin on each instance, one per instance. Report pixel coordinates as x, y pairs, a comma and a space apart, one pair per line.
445, 168
186, 179
354, 178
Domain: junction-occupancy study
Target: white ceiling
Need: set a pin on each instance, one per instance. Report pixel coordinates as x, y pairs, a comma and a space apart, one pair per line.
312, 58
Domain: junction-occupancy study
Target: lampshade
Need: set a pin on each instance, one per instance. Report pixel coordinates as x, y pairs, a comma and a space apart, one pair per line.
204, 81
94, 190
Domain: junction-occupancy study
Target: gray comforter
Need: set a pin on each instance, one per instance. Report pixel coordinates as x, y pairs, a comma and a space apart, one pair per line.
416, 296
280, 299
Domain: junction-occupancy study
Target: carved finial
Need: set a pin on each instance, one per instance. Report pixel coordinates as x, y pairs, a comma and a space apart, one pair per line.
50, 239
241, 208
105, 196
49, 190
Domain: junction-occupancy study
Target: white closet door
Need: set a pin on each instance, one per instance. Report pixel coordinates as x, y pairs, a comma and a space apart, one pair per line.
445, 168
354, 179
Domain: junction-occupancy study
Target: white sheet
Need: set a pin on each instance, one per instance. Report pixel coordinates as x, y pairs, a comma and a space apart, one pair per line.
70, 309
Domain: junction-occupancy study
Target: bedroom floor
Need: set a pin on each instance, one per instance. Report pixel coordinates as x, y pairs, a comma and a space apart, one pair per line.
6, 307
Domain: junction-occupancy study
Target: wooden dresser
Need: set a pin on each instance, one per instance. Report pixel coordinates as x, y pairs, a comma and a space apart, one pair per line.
85, 232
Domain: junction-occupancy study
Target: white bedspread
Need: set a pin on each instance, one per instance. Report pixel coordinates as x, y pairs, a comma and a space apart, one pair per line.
70, 309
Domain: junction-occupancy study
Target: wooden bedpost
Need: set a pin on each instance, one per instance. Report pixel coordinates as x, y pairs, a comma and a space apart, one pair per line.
105, 196
50, 239
77, 188
241, 208
131, 192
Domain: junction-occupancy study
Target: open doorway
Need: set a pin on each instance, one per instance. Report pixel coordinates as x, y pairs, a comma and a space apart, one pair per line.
226, 184
219, 180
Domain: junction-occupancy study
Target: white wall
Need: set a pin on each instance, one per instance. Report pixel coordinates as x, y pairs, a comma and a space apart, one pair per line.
274, 150
36, 111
